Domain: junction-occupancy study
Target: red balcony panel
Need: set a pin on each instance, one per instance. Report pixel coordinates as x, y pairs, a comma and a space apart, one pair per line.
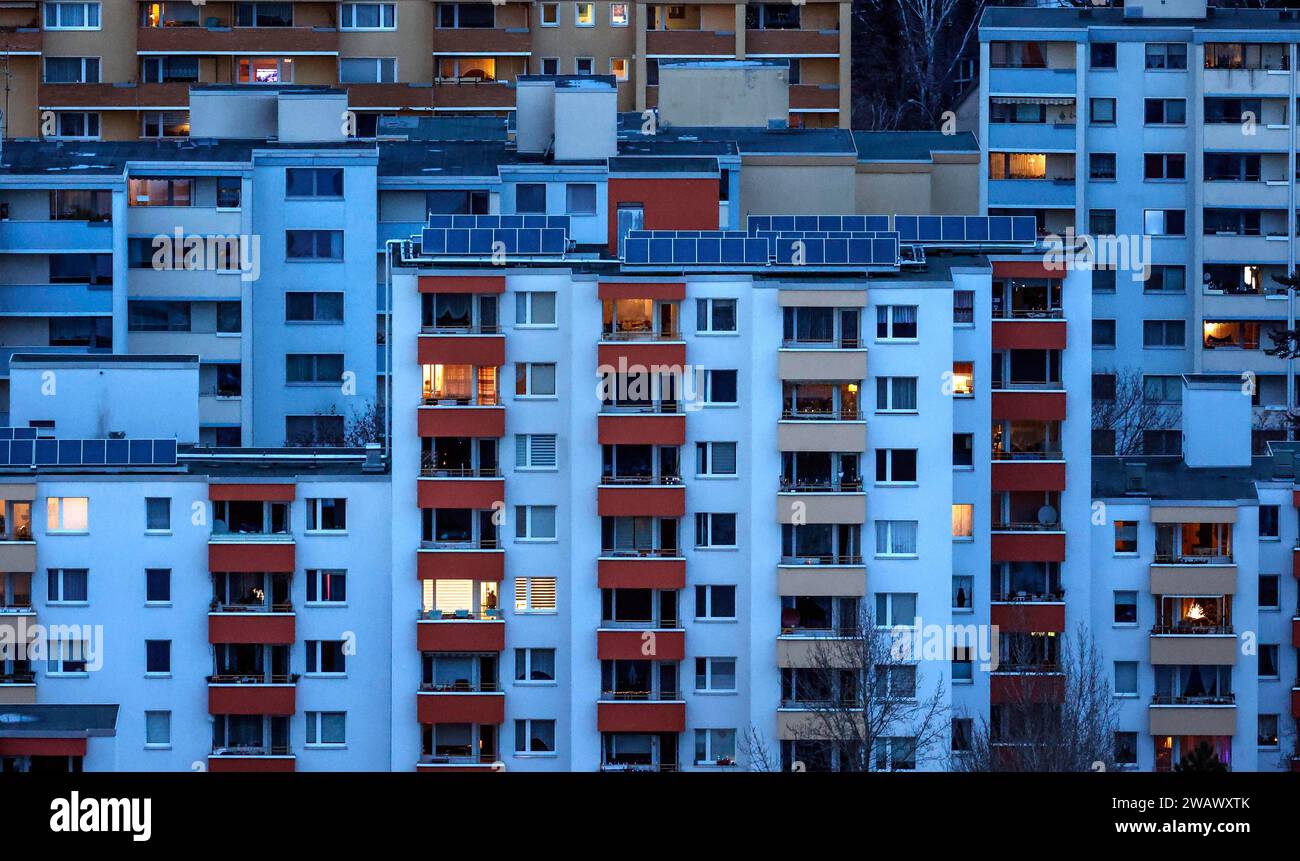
645, 429
644, 573
273, 629
808, 97
461, 492
113, 95
1029, 405
634, 501
42, 746
252, 492
252, 40
473, 95
1295, 632
1027, 546
1011, 688
252, 699
664, 291
462, 421
1295, 563
229, 556
390, 96
1029, 334
1028, 475
642, 354
1028, 618
475, 40
1295, 764
468, 636
641, 717
461, 565
637, 645
1295, 702
787, 42
1295, 498
690, 43
462, 708
481, 350
252, 764
462, 284
28, 40
1027, 269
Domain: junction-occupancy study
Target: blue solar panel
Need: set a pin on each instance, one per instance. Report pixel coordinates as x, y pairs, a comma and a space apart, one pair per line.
17, 433
94, 450
535, 237
87, 452
118, 452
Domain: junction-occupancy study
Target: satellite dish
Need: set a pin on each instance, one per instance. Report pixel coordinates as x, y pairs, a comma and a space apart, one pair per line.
1047, 516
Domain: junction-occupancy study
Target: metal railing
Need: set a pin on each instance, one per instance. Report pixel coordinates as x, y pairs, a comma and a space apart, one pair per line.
643, 480
491, 614
1051, 595
480, 401
1028, 455
473, 329
823, 559
1191, 629
253, 750
821, 486
252, 679
219, 607
823, 343
642, 624
642, 696
1197, 559
636, 408
461, 686
642, 552
1023, 526
17, 678
1198, 700
1028, 314
840, 415
481, 544
640, 335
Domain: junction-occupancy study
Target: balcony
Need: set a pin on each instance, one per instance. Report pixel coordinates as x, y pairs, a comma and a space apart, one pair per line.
628, 352
62, 236
461, 419
652, 424
460, 491
237, 40
792, 43
264, 759
1246, 82
471, 95
18, 555
1028, 401
640, 569
1042, 683
1027, 546
1028, 333
690, 43
1169, 577
456, 764
1249, 193
252, 694
1041, 137
626, 496
1174, 645
1039, 81
1256, 248
808, 506
641, 712
821, 580
660, 640
18, 688
1227, 136
117, 95
451, 705
1199, 716
251, 552
1057, 192
483, 560
18, 41
475, 347
496, 41
438, 633
1013, 475
1030, 614
814, 97
824, 363
842, 431
237, 624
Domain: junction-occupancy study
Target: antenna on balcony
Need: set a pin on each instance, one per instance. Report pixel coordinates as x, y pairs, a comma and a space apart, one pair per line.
1047, 516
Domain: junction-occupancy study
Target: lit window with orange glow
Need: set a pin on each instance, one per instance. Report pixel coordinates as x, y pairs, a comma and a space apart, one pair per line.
963, 379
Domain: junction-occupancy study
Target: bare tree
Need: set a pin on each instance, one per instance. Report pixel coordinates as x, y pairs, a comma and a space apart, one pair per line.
1128, 413
859, 695
757, 753
1056, 713
365, 426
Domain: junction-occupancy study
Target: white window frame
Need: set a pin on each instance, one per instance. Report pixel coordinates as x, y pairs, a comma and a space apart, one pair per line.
889, 468
707, 735
551, 7
165, 530
315, 725
379, 63
707, 609
524, 521
86, 123
707, 306
315, 509
525, 302
82, 78
316, 647
541, 65
709, 674
526, 724
577, 14
318, 577
710, 529
627, 14
166, 725
524, 599
890, 396
708, 387
591, 65
55, 510
893, 530
1137, 684
158, 674
159, 119
889, 329
526, 451
86, 7
529, 369
346, 8
627, 68
889, 621
705, 455
527, 653
58, 653
568, 202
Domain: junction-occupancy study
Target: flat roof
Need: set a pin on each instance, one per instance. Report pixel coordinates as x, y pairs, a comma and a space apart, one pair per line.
50, 720
911, 146
1218, 18
1168, 477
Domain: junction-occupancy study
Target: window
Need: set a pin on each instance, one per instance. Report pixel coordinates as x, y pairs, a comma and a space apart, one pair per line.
963, 520
1101, 222
1165, 222
550, 17
715, 459
534, 736
580, 198
264, 14
313, 307
67, 514
895, 753
1268, 735
1268, 663
1164, 166
1126, 608
313, 368
1103, 333
896, 323
530, 197
534, 594
170, 70
962, 666
963, 730
1101, 55
1126, 748
158, 514
71, 70
963, 307
1126, 536
82, 125
1126, 678
368, 16
550, 65
963, 449
313, 182
715, 674
720, 387
1270, 592
534, 380
313, 244
326, 657
963, 592
1167, 442
715, 315
1165, 112
963, 379
1101, 166
534, 309
326, 729
325, 586
896, 538
621, 68
534, 665
535, 451
1268, 521
584, 14
466, 15
1103, 387
715, 747
1167, 55
158, 657
229, 190
264, 70
1101, 112
156, 316
584, 66
157, 729
67, 586
1165, 279
1164, 333
618, 15
715, 530
66, 657
71, 16
715, 602
1103, 280
229, 318
895, 609
895, 466
895, 394
535, 522
158, 585
366, 70
327, 515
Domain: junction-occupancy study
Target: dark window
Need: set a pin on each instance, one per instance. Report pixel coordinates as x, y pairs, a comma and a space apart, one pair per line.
314, 244
158, 656
456, 202
1103, 387
312, 307
158, 585
1269, 590
155, 316
530, 197
963, 449
229, 189
1101, 55
313, 182
1268, 521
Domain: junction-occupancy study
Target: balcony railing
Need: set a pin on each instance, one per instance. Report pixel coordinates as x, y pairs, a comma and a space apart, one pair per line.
253, 750
1029, 666
835, 631
492, 614
823, 559
822, 343
840, 415
642, 552
1024, 526
643, 480
1027, 455
847, 704
1049, 596
1197, 700
1192, 559
480, 401
640, 766
429, 469
812, 485
1186, 628
642, 624
17, 678
461, 686
642, 696
640, 335
220, 607
481, 544
1027, 385
457, 759
23, 533
1028, 314
17, 607
468, 329
252, 679
667, 408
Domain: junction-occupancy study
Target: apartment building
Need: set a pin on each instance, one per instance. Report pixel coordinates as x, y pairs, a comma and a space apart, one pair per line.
1195, 614
1173, 122
122, 69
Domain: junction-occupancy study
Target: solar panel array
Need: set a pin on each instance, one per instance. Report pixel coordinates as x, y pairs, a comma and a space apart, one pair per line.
478, 235
17, 433
87, 452
942, 230
766, 248
805, 223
